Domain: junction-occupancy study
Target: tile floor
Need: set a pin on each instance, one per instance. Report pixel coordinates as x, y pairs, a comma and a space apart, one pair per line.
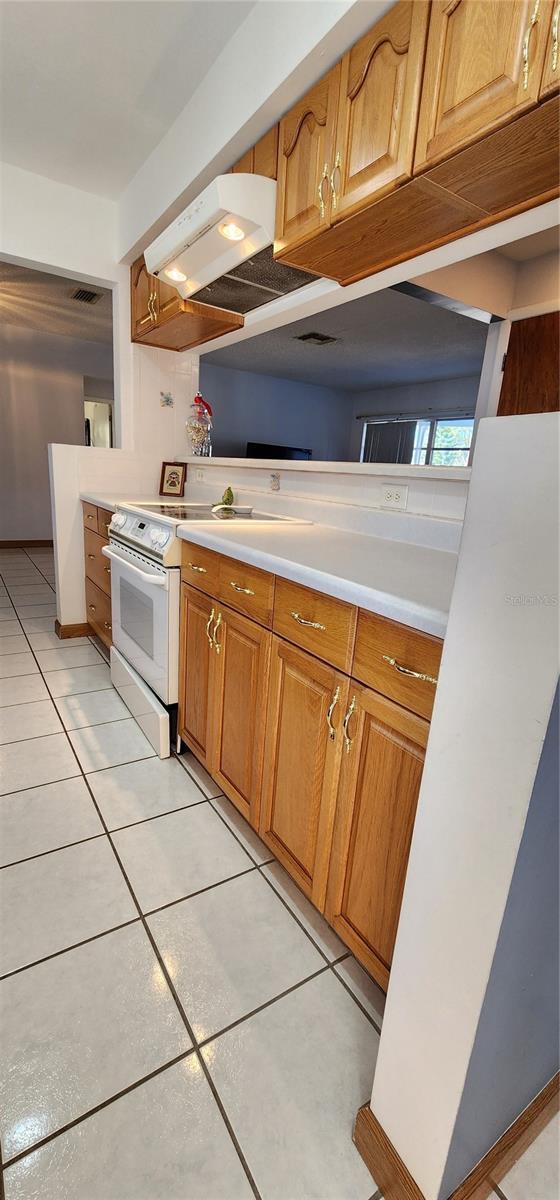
176, 1019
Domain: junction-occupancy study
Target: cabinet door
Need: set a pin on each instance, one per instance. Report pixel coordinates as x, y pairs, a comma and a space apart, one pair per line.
302, 761
376, 806
239, 698
378, 108
196, 670
484, 64
305, 161
143, 292
530, 381
551, 72
168, 301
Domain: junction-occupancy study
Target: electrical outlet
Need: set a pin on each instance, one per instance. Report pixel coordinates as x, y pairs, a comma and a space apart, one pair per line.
274, 481
395, 496
199, 475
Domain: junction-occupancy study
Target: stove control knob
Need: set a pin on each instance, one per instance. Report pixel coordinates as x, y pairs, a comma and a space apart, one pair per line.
118, 520
154, 536
163, 538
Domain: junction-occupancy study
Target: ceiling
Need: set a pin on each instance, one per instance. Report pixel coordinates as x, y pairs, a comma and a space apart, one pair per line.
88, 89
545, 242
43, 302
385, 339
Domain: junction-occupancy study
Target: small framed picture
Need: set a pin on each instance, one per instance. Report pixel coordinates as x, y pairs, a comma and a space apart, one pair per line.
172, 482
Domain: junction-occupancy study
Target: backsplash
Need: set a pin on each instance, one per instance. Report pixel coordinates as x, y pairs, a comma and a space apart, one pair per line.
349, 498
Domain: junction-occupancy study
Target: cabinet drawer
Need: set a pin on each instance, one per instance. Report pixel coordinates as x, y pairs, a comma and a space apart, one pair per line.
104, 518
97, 566
98, 608
247, 589
387, 651
89, 515
318, 623
200, 568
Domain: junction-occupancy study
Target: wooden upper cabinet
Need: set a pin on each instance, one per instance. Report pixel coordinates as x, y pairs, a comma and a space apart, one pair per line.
530, 382
301, 764
551, 71
239, 698
265, 154
378, 108
143, 291
484, 64
305, 162
376, 807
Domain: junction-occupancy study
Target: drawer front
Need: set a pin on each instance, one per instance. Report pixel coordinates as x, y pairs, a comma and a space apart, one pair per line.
104, 518
98, 568
200, 568
98, 609
321, 624
387, 651
247, 589
89, 515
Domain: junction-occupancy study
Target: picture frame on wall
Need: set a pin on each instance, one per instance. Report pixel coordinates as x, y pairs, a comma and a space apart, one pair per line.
172, 481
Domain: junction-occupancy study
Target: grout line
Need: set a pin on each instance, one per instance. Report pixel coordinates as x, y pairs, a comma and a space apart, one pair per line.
193, 777
144, 820
213, 1037
90, 1112
36, 736
497, 1189
355, 999
64, 950
53, 850
209, 888
17, 791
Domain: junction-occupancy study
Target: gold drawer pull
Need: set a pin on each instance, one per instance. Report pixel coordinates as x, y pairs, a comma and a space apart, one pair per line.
107, 569
348, 740
92, 608
194, 567
332, 706
217, 645
308, 624
237, 588
321, 192
407, 671
90, 518
91, 555
107, 625
208, 634
335, 194
526, 40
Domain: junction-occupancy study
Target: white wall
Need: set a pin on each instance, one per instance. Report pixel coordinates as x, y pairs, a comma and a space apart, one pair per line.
497, 681
260, 408
537, 287
41, 401
444, 396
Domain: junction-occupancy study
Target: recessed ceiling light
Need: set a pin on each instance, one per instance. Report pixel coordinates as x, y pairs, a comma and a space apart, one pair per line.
175, 274
231, 231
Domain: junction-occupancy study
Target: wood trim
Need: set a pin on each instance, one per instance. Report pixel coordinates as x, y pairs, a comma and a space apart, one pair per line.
15, 543
395, 1181
72, 631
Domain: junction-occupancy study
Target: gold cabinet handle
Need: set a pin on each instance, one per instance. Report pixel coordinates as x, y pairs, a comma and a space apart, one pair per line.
89, 517
335, 193
91, 607
555, 27
349, 713
208, 634
217, 644
107, 625
237, 588
407, 671
526, 41
331, 708
194, 567
324, 178
154, 306
91, 555
108, 570
309, 624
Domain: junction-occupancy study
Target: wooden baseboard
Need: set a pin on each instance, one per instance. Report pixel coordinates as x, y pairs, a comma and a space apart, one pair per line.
17, 542
395, 1181
71, 631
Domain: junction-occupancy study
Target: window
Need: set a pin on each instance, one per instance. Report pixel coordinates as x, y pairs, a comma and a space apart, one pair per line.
425, 441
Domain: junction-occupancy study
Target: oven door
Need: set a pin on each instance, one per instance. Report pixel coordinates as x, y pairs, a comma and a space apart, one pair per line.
145, 617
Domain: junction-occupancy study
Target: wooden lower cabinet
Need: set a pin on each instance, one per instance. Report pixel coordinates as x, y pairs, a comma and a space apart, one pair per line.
302, 759
239, 695
376, 806
198, 614
98, 612
96, 523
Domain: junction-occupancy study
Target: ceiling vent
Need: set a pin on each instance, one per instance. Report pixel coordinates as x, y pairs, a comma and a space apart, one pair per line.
316, 339
85, 296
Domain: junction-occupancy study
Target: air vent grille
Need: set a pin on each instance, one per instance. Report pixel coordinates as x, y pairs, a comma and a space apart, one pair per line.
85, 296
316, 339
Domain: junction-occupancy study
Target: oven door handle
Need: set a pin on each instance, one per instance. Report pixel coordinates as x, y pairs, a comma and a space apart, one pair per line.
154, 580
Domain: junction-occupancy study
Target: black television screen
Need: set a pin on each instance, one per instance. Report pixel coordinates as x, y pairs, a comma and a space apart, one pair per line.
264, 450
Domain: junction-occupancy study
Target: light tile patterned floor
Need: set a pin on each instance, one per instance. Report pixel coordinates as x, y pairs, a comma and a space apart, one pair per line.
175, 1018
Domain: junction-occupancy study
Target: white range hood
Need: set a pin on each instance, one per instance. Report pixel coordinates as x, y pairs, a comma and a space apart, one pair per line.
229, 222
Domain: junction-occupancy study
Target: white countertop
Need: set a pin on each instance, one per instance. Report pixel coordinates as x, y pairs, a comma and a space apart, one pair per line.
111, 499
409, 583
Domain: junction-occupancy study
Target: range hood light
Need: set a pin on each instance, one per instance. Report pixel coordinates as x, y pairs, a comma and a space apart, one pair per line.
231, 231
175, 274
